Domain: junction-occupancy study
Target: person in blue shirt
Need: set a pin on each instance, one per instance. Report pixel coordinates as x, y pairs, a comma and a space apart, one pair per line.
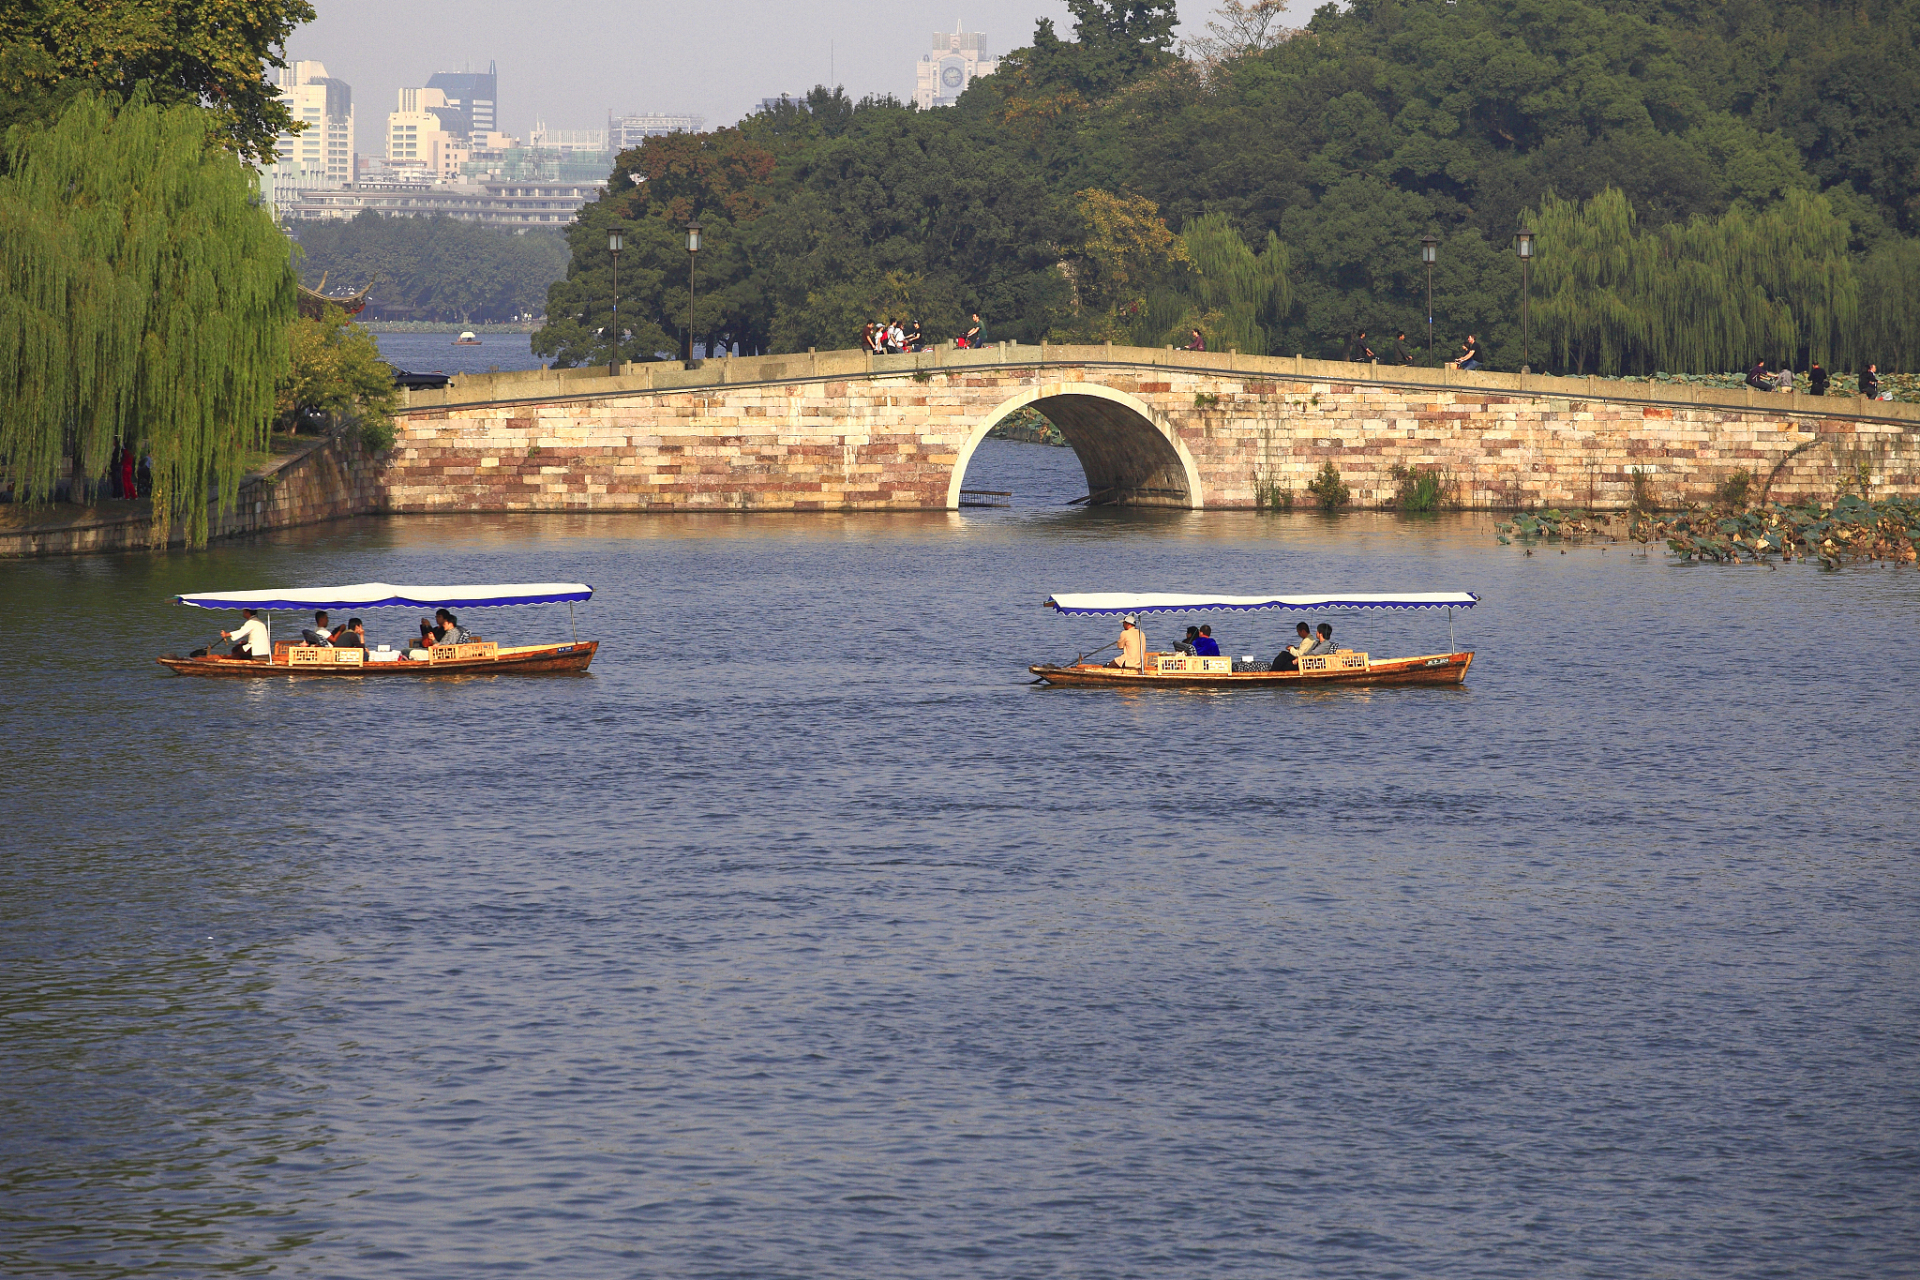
1206, 646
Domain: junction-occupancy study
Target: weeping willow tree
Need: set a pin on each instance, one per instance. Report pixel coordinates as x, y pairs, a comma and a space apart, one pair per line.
144, 301
1237, 290
1702, 296
1889, 329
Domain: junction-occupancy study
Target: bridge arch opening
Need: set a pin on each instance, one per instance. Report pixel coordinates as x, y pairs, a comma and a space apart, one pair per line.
1131, 455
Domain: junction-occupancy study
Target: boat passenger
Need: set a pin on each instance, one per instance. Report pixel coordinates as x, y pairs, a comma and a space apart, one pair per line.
320, 633
251, 640
1133, 645
1325, 643
1186, 645
447, 629
1206, 646
1288, 658
352, 636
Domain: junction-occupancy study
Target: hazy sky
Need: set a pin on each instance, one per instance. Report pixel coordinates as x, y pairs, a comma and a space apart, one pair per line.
569, 61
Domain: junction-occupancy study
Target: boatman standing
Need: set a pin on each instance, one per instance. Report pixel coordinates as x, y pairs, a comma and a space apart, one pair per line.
1133, 645
251, 640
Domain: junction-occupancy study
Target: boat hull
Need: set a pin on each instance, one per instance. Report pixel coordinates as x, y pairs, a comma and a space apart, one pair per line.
518, 661
1427, 669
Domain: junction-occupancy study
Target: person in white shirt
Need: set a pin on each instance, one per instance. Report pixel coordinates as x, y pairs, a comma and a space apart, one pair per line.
251, 640
1288, 659
1133, 645
321, 634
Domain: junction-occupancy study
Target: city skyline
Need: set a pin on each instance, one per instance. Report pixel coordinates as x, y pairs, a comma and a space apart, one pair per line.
650, 57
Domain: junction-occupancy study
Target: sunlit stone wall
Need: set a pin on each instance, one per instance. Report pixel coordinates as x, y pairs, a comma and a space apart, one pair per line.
844, 430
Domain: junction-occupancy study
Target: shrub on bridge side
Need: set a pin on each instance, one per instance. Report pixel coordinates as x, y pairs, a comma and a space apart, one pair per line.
1328, 489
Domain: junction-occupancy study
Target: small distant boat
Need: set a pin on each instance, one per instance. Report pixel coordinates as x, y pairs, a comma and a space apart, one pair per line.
466, 339
1342, 666
474, 657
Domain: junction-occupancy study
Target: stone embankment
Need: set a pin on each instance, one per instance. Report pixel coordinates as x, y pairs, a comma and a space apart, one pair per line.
320, 480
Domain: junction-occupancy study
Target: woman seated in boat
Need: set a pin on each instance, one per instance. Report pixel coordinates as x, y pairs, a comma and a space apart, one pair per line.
447, 628
1186, 644
1324, 644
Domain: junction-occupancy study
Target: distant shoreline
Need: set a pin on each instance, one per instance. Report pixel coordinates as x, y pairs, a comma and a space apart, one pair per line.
436, 326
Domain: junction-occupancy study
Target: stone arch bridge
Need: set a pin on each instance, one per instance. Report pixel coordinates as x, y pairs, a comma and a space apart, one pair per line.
851, 431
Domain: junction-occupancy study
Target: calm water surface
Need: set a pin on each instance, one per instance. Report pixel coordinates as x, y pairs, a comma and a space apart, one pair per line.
435, 352
805, 938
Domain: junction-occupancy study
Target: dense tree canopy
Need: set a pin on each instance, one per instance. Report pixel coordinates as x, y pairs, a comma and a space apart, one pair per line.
1275, 190
145, 297
434, 268
212, 53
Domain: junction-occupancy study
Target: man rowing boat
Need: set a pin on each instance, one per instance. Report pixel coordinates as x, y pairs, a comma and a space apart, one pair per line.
1133, 645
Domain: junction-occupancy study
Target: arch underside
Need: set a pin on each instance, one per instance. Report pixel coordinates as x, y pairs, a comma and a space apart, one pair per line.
1127, 460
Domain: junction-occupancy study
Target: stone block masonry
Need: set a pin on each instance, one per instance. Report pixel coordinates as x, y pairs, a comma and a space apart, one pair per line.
850, 431
322, 481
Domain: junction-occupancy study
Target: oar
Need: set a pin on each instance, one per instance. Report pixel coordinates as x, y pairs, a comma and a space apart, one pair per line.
1083, 657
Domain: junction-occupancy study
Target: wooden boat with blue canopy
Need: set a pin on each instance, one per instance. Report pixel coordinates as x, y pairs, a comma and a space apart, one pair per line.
1325, 667
472, 655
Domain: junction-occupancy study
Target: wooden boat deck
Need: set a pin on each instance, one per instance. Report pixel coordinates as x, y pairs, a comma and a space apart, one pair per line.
1424, 669
526, 659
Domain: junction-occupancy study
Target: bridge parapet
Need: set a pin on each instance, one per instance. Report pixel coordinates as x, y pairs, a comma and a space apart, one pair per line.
520, 386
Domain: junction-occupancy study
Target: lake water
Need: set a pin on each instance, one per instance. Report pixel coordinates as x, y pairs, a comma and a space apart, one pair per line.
435, 352
805, 938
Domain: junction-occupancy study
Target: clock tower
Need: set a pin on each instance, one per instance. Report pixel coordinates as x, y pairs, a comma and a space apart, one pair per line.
953, 65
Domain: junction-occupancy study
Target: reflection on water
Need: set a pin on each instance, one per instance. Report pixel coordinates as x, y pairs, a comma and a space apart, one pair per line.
804, 936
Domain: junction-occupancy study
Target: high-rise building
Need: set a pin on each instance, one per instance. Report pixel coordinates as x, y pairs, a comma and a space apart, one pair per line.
954, 64
626, 132
477, 93
428, 132
320, 155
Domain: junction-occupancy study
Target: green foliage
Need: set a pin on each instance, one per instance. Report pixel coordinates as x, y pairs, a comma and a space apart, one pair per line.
209, 53
1851, 528
1708, 177
1420, 489
1710, 293
1732, 492
435, 268
336, 374
1238, 292
1271, 495
1327, 488
145, 299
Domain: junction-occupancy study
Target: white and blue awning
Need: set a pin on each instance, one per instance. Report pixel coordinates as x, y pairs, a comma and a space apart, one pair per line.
1171, 602
380, 595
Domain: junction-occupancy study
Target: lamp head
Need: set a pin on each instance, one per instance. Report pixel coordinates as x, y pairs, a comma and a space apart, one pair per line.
1429, 249
693, 237
1523, 243
615, 242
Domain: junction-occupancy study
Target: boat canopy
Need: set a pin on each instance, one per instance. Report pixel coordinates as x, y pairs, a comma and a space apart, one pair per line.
380, 595
1172, 602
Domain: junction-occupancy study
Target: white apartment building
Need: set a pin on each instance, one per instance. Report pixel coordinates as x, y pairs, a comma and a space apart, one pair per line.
320, 155
626, 132
955, 63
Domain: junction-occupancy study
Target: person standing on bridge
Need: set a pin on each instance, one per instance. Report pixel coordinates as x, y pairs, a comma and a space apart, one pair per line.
975, 337
1196, 343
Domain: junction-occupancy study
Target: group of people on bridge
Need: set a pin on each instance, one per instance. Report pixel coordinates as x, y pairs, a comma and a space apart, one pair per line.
891, 337
1199, 642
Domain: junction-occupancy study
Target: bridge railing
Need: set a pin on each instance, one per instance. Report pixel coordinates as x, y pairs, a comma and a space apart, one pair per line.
670, 377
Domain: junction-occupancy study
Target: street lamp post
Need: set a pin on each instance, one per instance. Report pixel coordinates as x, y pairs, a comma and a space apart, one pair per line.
615, 243
1429, 249
693, 252
1523, 245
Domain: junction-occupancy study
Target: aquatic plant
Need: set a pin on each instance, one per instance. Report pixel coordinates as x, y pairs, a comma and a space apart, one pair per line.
1421, 488
1850, 528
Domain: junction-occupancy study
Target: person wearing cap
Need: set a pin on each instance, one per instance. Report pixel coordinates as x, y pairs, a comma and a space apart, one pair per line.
251, 640
1133, 645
